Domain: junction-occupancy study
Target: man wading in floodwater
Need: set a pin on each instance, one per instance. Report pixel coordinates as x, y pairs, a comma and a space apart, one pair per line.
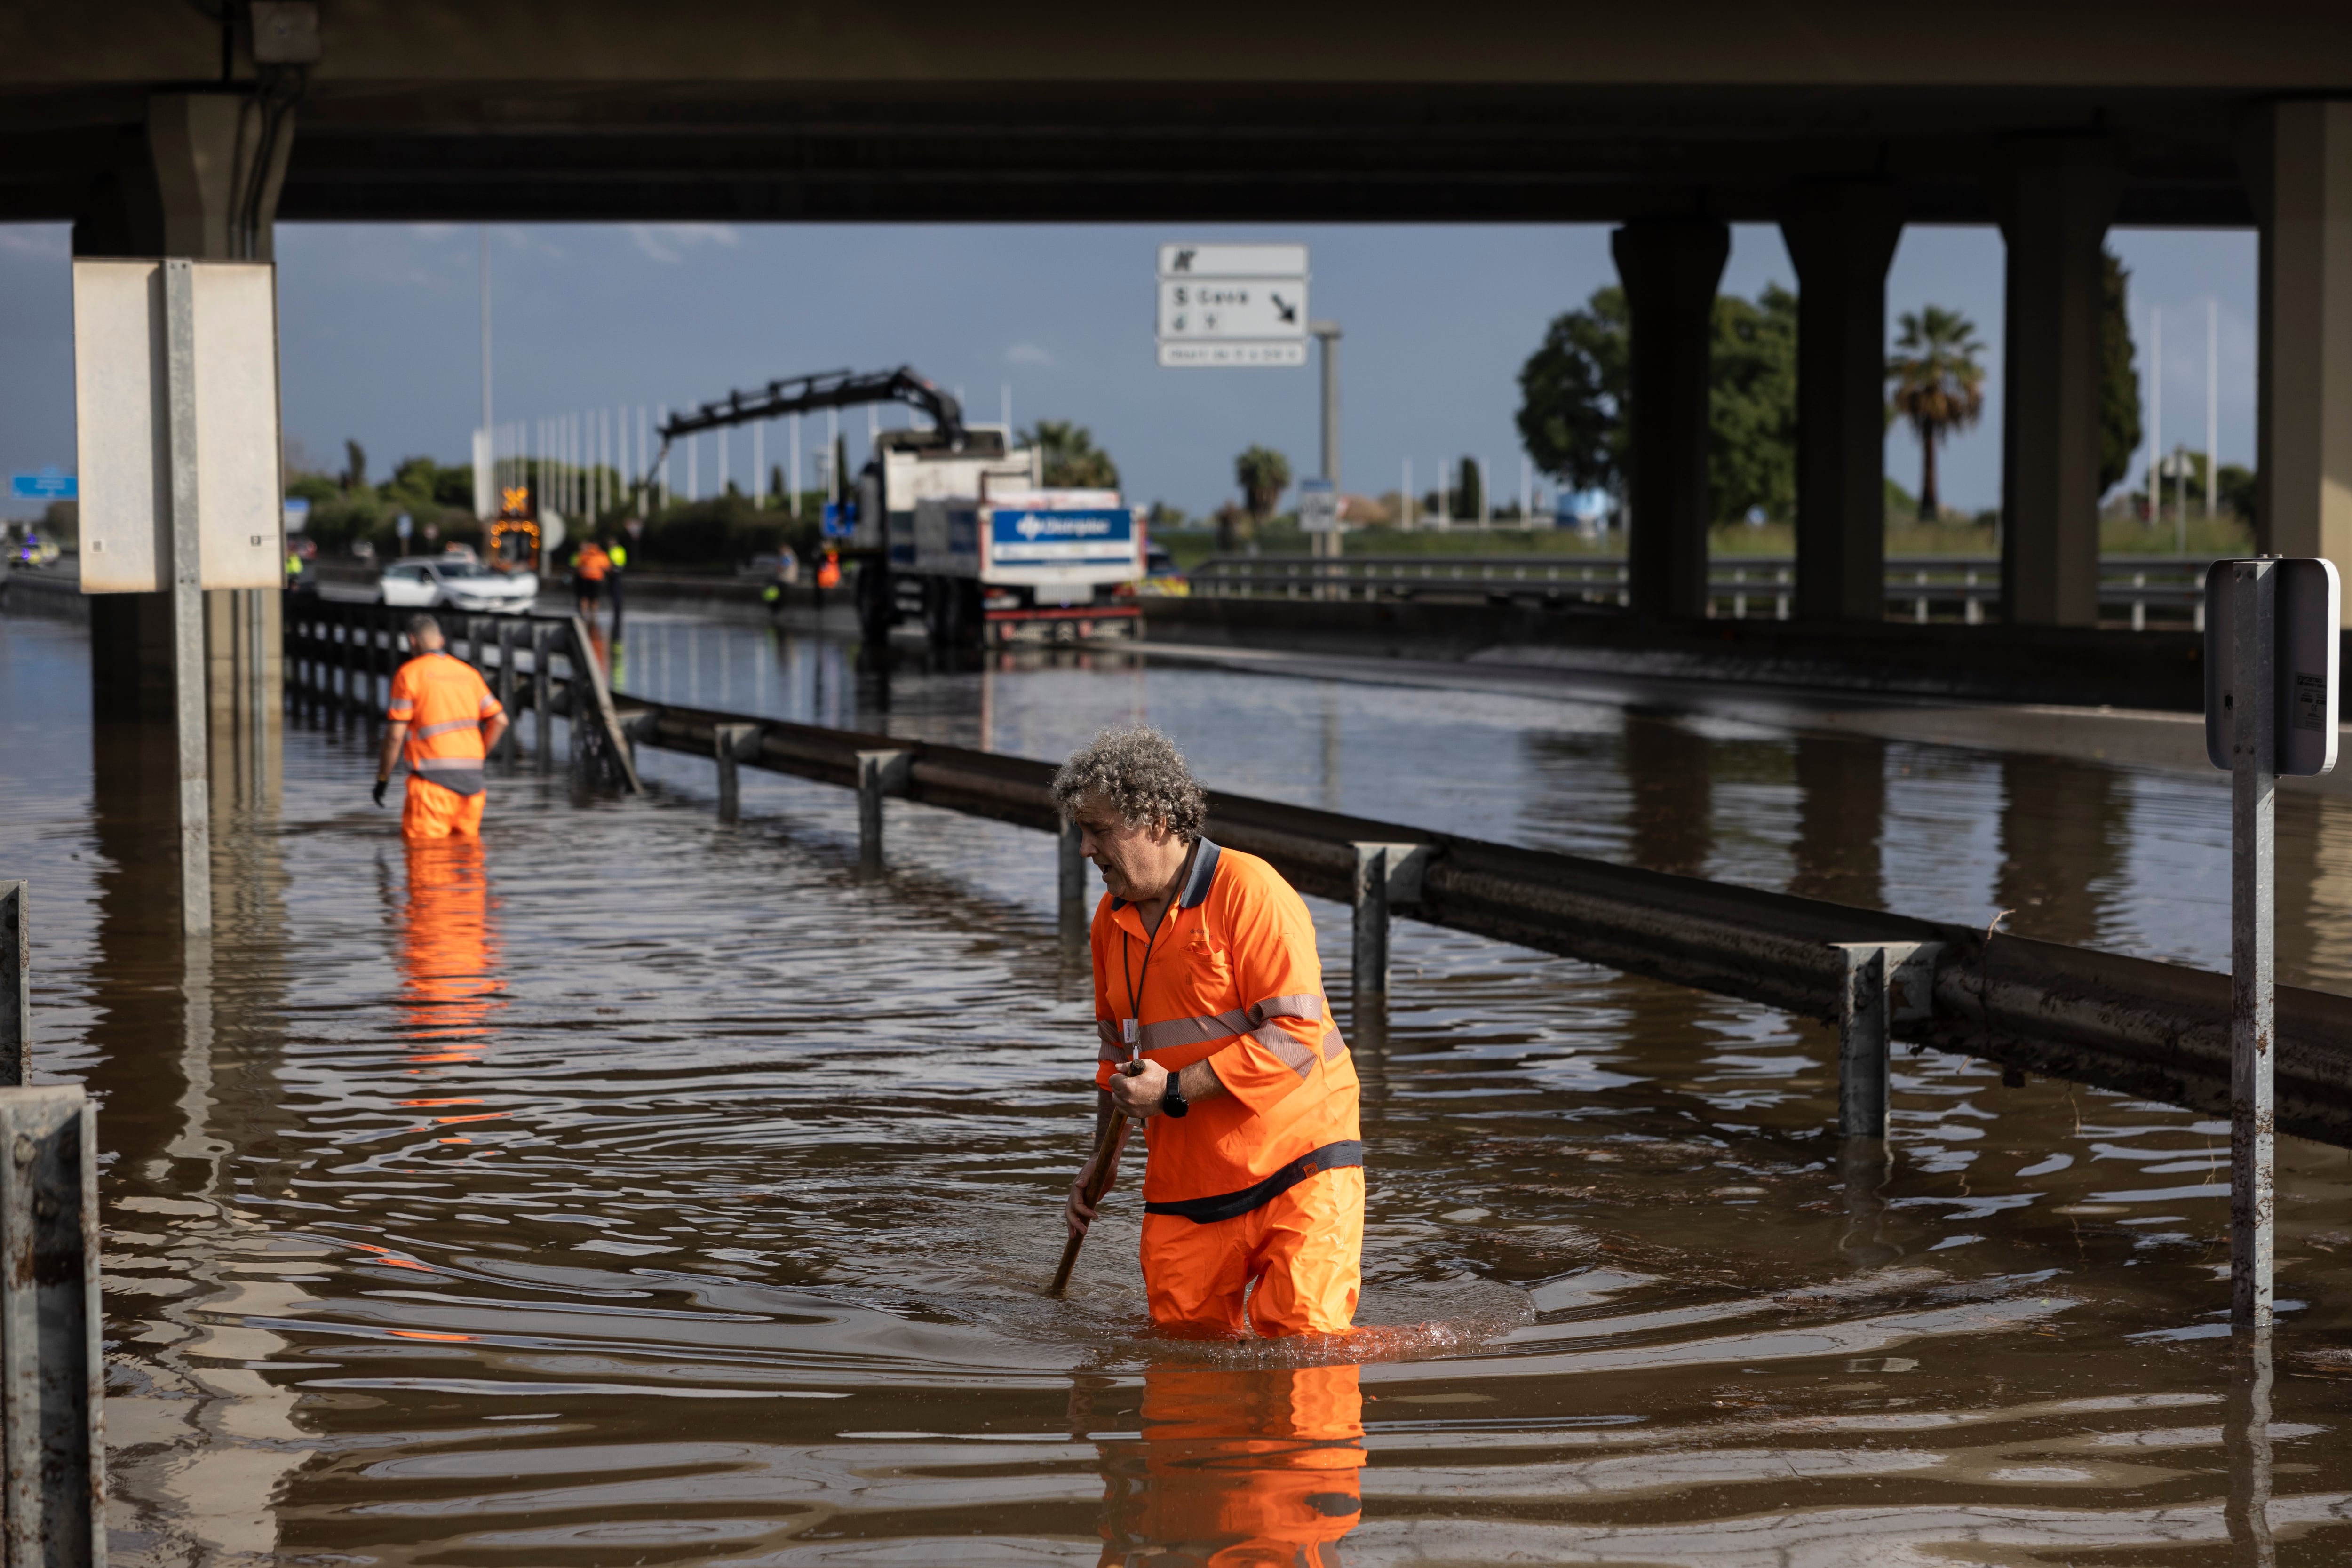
448, 721
1205, 963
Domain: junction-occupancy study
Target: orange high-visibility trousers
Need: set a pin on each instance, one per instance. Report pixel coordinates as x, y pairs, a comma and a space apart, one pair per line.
432, 812
1303, 1249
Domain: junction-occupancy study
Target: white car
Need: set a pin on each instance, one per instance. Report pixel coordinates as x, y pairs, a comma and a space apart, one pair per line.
455, 585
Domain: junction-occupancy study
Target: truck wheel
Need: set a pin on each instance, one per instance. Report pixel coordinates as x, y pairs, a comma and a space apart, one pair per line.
877, 606
970, 623
935, 615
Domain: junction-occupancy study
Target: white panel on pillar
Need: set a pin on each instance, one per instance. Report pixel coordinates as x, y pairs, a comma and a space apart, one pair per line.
124, 436
126, 504
239, 475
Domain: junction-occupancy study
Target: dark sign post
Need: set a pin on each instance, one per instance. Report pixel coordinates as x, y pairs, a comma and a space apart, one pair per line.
2271, 683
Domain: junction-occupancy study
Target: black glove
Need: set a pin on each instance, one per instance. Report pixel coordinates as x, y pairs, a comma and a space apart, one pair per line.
381, 784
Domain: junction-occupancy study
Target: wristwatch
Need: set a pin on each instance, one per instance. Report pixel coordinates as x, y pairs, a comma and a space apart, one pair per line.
1172, 1103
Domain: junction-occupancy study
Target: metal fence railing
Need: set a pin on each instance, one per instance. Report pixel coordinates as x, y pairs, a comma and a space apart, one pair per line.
2133, 589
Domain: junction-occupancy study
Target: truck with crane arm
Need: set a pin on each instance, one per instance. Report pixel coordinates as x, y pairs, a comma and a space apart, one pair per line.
952, 525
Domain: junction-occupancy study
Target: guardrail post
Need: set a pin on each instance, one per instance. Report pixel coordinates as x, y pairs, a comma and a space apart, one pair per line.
16, 983
1071, 885
1885, 983
52, 1372
345, 645
1386, 875
591, 703
542, 700
728, 745
507, 743
878, 773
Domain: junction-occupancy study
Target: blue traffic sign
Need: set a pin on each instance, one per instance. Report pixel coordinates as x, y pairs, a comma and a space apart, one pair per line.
47, 485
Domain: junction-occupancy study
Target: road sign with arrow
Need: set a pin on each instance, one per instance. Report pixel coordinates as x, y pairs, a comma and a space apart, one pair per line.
1228, 305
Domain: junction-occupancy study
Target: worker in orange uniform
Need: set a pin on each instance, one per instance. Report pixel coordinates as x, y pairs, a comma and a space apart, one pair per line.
1205, 971
590, 567
448, 720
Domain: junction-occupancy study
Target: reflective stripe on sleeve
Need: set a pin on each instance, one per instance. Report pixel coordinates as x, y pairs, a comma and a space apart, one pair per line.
1172, 1032
1287, 1048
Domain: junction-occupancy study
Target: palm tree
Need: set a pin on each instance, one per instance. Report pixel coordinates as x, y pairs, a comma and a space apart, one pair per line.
1262, 474
1939, 386
1072, 458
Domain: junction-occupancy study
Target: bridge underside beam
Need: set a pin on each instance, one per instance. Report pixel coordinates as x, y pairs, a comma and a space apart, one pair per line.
597, 150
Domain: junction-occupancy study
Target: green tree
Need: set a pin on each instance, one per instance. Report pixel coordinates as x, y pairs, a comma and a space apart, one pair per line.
2239, 491
1939, 386
1262, 474
1572, 396
1751, 459
1469, 491
355, 469
1575, 405
2118, 375
1072, 458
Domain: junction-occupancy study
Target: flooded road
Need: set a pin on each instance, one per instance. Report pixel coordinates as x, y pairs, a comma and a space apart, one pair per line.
635, 1188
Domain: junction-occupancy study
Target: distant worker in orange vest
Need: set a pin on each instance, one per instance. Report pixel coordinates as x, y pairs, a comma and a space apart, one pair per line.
616, 579
588, 569
448, 721
1205, 970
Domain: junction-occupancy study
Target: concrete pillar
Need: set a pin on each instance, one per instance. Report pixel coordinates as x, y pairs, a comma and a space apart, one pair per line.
1842, 237
2297, 164
1670, 268
2055, 198
203, 183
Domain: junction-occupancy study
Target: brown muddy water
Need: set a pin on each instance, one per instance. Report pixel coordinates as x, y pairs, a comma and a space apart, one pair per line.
637, 1189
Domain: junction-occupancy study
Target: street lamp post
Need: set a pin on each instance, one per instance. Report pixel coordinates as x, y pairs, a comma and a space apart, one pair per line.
1327, 333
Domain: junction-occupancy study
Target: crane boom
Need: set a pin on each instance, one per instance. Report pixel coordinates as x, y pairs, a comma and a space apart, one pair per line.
826, 389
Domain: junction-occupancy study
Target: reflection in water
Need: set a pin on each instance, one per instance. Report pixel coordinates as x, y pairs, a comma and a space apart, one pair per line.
1236, 1467
2248, 1438
1840, 819
448, 955
1670, 816
754, 1275
1865, 1166
2064, 829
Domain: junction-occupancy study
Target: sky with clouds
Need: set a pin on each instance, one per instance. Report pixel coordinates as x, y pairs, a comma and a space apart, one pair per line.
378, 327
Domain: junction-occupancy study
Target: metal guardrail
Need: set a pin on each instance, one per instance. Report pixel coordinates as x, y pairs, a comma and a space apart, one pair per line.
52, 1368
2158, 1031
340, 658
1739, 587
52, 1365
15, 987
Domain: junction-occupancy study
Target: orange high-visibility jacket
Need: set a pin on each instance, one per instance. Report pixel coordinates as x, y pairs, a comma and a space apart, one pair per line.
1232, 978
444, 705
592, 563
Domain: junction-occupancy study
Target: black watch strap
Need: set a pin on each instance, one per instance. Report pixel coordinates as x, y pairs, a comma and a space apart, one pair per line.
1173, 1103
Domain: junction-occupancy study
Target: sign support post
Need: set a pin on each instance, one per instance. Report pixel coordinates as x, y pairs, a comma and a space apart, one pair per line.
2272, 696
188, 710
2253, 788
1327, 334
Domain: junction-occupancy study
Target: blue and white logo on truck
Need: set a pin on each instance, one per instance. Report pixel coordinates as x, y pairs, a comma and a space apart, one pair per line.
1092, 537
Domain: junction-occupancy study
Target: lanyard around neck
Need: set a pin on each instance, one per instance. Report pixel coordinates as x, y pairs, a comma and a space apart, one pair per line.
1131, 1027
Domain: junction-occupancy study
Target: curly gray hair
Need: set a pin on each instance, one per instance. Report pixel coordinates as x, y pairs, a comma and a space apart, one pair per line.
1140, 772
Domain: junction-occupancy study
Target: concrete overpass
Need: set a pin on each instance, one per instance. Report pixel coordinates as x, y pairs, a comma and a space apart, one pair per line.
188, 127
